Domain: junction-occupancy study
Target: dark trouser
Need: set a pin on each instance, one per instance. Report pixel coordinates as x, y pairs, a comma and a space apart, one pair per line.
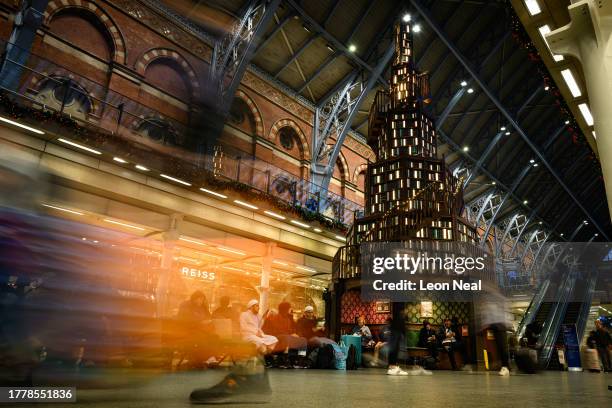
501, 342
604, 356
432, 347
450, 350
394, 346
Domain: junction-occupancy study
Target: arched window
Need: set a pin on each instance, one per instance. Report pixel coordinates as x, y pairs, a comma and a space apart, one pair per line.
158, 130
242, 117
84, 30
63, 94
289, 141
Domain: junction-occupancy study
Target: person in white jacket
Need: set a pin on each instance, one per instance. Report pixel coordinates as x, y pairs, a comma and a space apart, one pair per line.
250, 329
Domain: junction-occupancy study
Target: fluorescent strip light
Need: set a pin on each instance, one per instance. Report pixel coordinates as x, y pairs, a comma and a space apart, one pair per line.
123, 224
318, 230
533, 7
340, 238
62, 209
119, 159
305, 269
271, 214
143, 168
545, 29
12, 122
175, 179
192, 241
230, 250
301, 224
232, 268
213, 193
586, 113
247, 205
571, 83
87, 149
594, 135
280, 263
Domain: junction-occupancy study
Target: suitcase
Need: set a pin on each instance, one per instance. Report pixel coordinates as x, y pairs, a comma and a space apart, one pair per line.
591, 360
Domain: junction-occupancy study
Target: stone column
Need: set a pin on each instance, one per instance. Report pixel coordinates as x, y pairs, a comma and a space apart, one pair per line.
587, 38
266, 270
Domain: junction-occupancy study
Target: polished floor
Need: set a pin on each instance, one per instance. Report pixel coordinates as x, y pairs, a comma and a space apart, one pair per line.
372, 388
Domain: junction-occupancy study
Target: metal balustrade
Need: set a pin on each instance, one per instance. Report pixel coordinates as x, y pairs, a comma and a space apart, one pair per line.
161, 141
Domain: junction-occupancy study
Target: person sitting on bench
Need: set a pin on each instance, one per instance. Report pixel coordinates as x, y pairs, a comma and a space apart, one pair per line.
427, 339
448, 341
360, 329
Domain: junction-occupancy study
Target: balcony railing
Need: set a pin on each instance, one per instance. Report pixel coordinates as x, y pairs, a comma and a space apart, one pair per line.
114, 123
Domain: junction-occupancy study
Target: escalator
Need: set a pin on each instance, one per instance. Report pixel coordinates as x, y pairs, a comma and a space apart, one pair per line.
564, 303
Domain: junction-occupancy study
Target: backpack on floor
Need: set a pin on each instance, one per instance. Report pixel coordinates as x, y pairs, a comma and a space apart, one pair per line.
325, 357
339, 357
351, 358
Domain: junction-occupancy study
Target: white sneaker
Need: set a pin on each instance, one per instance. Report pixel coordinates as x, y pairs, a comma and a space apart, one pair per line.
420, 371
504, 372
396, 371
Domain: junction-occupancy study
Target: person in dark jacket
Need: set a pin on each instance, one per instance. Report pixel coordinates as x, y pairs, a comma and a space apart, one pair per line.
600, 339
448, 340
427, 339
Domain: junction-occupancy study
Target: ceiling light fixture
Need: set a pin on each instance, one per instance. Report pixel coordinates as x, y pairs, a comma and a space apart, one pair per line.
119, 159
301, 224
62, 209
175, 179
213, 193
231, 250
142, 168
123, 224
79, 146
586, 113
272, 214
192, 241
247, 205
12, 122
569, 79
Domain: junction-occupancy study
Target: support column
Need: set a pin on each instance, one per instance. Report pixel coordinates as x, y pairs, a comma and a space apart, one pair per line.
170, 237
17, 52
587, 38
266, 270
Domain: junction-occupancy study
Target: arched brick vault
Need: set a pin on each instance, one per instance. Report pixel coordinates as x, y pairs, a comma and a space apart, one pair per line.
344, 168
288, 122
259, 128
362, 167
145, 59
119, 52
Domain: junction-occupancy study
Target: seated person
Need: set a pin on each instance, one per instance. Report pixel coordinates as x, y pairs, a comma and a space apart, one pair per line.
384, 336
282, 326
447, 338
195, 333
427, 339
307, 324
250, 329
362, 330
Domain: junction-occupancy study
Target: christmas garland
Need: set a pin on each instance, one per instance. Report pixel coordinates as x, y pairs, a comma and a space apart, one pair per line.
520, 35
61, 123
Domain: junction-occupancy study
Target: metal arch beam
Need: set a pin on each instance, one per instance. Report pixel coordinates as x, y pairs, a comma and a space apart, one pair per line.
331, 12
233, 53
450, 106
427, 17
582, 224
520, 233
334, 41
321, 172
